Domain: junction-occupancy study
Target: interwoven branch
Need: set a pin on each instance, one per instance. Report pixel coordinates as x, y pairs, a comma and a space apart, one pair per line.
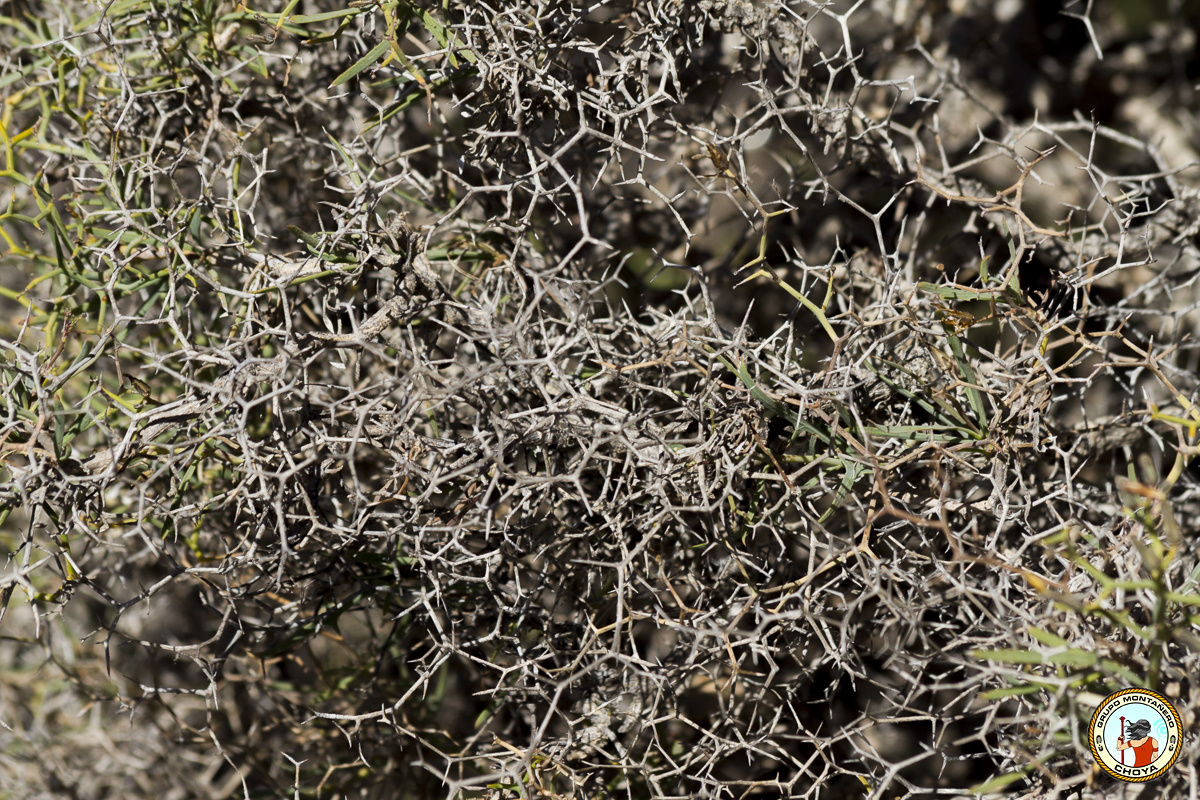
645, 398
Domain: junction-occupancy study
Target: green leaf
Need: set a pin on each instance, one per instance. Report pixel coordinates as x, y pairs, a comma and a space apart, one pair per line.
377, 52
307, 238
305, 19
284, 16
353, 169
958, 293
439, 32
921, 433
974, 396
776, 407
317, 247
853, 471
1012, 691
415, 93
937, 408
1080, 659
1009, 656
1013, 290
1047, 638
1070, 658
1120, 671
1000, 781
293, 640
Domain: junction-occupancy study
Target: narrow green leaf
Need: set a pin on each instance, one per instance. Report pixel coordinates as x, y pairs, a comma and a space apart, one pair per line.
415, 93
853, 470
1000, 781
1080, 659
377, 52
1047, 638
770, 403
1009, 656
974, 396
921, 433
287, 10
307, 238
956, 293
439, 32
1012, 691
937, 408
1183, 599
318, 248
1013, 290
293, 640
305, 19
353, 168
1120, 671
1071, 658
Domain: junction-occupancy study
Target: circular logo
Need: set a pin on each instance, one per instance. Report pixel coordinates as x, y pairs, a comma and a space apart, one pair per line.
1136, 735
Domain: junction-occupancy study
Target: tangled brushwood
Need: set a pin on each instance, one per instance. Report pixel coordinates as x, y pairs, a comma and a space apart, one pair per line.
602, 399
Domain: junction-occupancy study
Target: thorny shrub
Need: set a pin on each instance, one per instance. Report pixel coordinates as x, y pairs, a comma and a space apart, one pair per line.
630, 398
